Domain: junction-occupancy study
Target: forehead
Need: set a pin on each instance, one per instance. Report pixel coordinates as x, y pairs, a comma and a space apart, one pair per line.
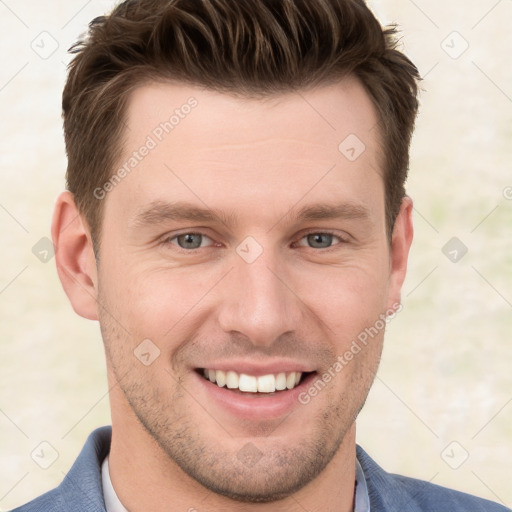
325, 114
214, 148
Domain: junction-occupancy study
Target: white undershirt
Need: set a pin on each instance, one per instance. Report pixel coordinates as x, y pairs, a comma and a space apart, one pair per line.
113, 504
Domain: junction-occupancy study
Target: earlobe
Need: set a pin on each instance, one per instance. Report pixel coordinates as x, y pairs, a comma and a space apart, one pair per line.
74, 255
400, 244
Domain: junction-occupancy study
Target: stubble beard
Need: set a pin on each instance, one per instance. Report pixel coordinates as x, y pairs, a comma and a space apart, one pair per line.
280, 472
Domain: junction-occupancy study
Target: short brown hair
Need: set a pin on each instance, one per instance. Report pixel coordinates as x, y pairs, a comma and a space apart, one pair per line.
244, 47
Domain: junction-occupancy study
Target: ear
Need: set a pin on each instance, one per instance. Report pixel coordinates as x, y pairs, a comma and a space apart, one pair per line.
400, 244
76, 263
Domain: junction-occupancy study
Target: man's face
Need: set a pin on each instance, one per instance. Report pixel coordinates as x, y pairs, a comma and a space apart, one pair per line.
293, 265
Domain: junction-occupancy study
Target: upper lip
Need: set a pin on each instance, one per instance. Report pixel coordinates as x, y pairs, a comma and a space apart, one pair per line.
258, 369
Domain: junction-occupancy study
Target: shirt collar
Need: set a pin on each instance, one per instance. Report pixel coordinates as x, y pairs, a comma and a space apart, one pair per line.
113, 504
362, 498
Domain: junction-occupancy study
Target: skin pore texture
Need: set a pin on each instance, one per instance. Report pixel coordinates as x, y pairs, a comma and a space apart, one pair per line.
301, 302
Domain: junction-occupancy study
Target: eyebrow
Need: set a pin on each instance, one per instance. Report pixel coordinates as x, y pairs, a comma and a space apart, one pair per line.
331, 211
159, 212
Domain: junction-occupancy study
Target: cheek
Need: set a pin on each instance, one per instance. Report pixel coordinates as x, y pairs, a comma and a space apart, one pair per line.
154, 302
347, 299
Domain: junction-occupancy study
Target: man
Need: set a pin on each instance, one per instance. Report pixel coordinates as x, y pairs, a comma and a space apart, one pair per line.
237, 222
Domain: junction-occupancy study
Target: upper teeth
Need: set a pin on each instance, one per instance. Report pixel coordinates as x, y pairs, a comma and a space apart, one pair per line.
263, 384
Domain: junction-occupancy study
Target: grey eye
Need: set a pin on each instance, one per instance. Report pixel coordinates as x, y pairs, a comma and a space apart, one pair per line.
190, 240
320, 240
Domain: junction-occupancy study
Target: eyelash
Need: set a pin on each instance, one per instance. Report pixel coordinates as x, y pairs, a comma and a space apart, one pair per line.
324, 249
167, 240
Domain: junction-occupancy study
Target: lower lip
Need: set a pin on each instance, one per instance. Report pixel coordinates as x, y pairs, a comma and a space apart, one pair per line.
255, 406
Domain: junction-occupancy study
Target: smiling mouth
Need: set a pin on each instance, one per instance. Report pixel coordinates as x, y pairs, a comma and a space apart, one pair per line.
263, 384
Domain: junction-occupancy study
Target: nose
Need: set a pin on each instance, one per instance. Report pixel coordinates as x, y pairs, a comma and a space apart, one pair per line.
258, 301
